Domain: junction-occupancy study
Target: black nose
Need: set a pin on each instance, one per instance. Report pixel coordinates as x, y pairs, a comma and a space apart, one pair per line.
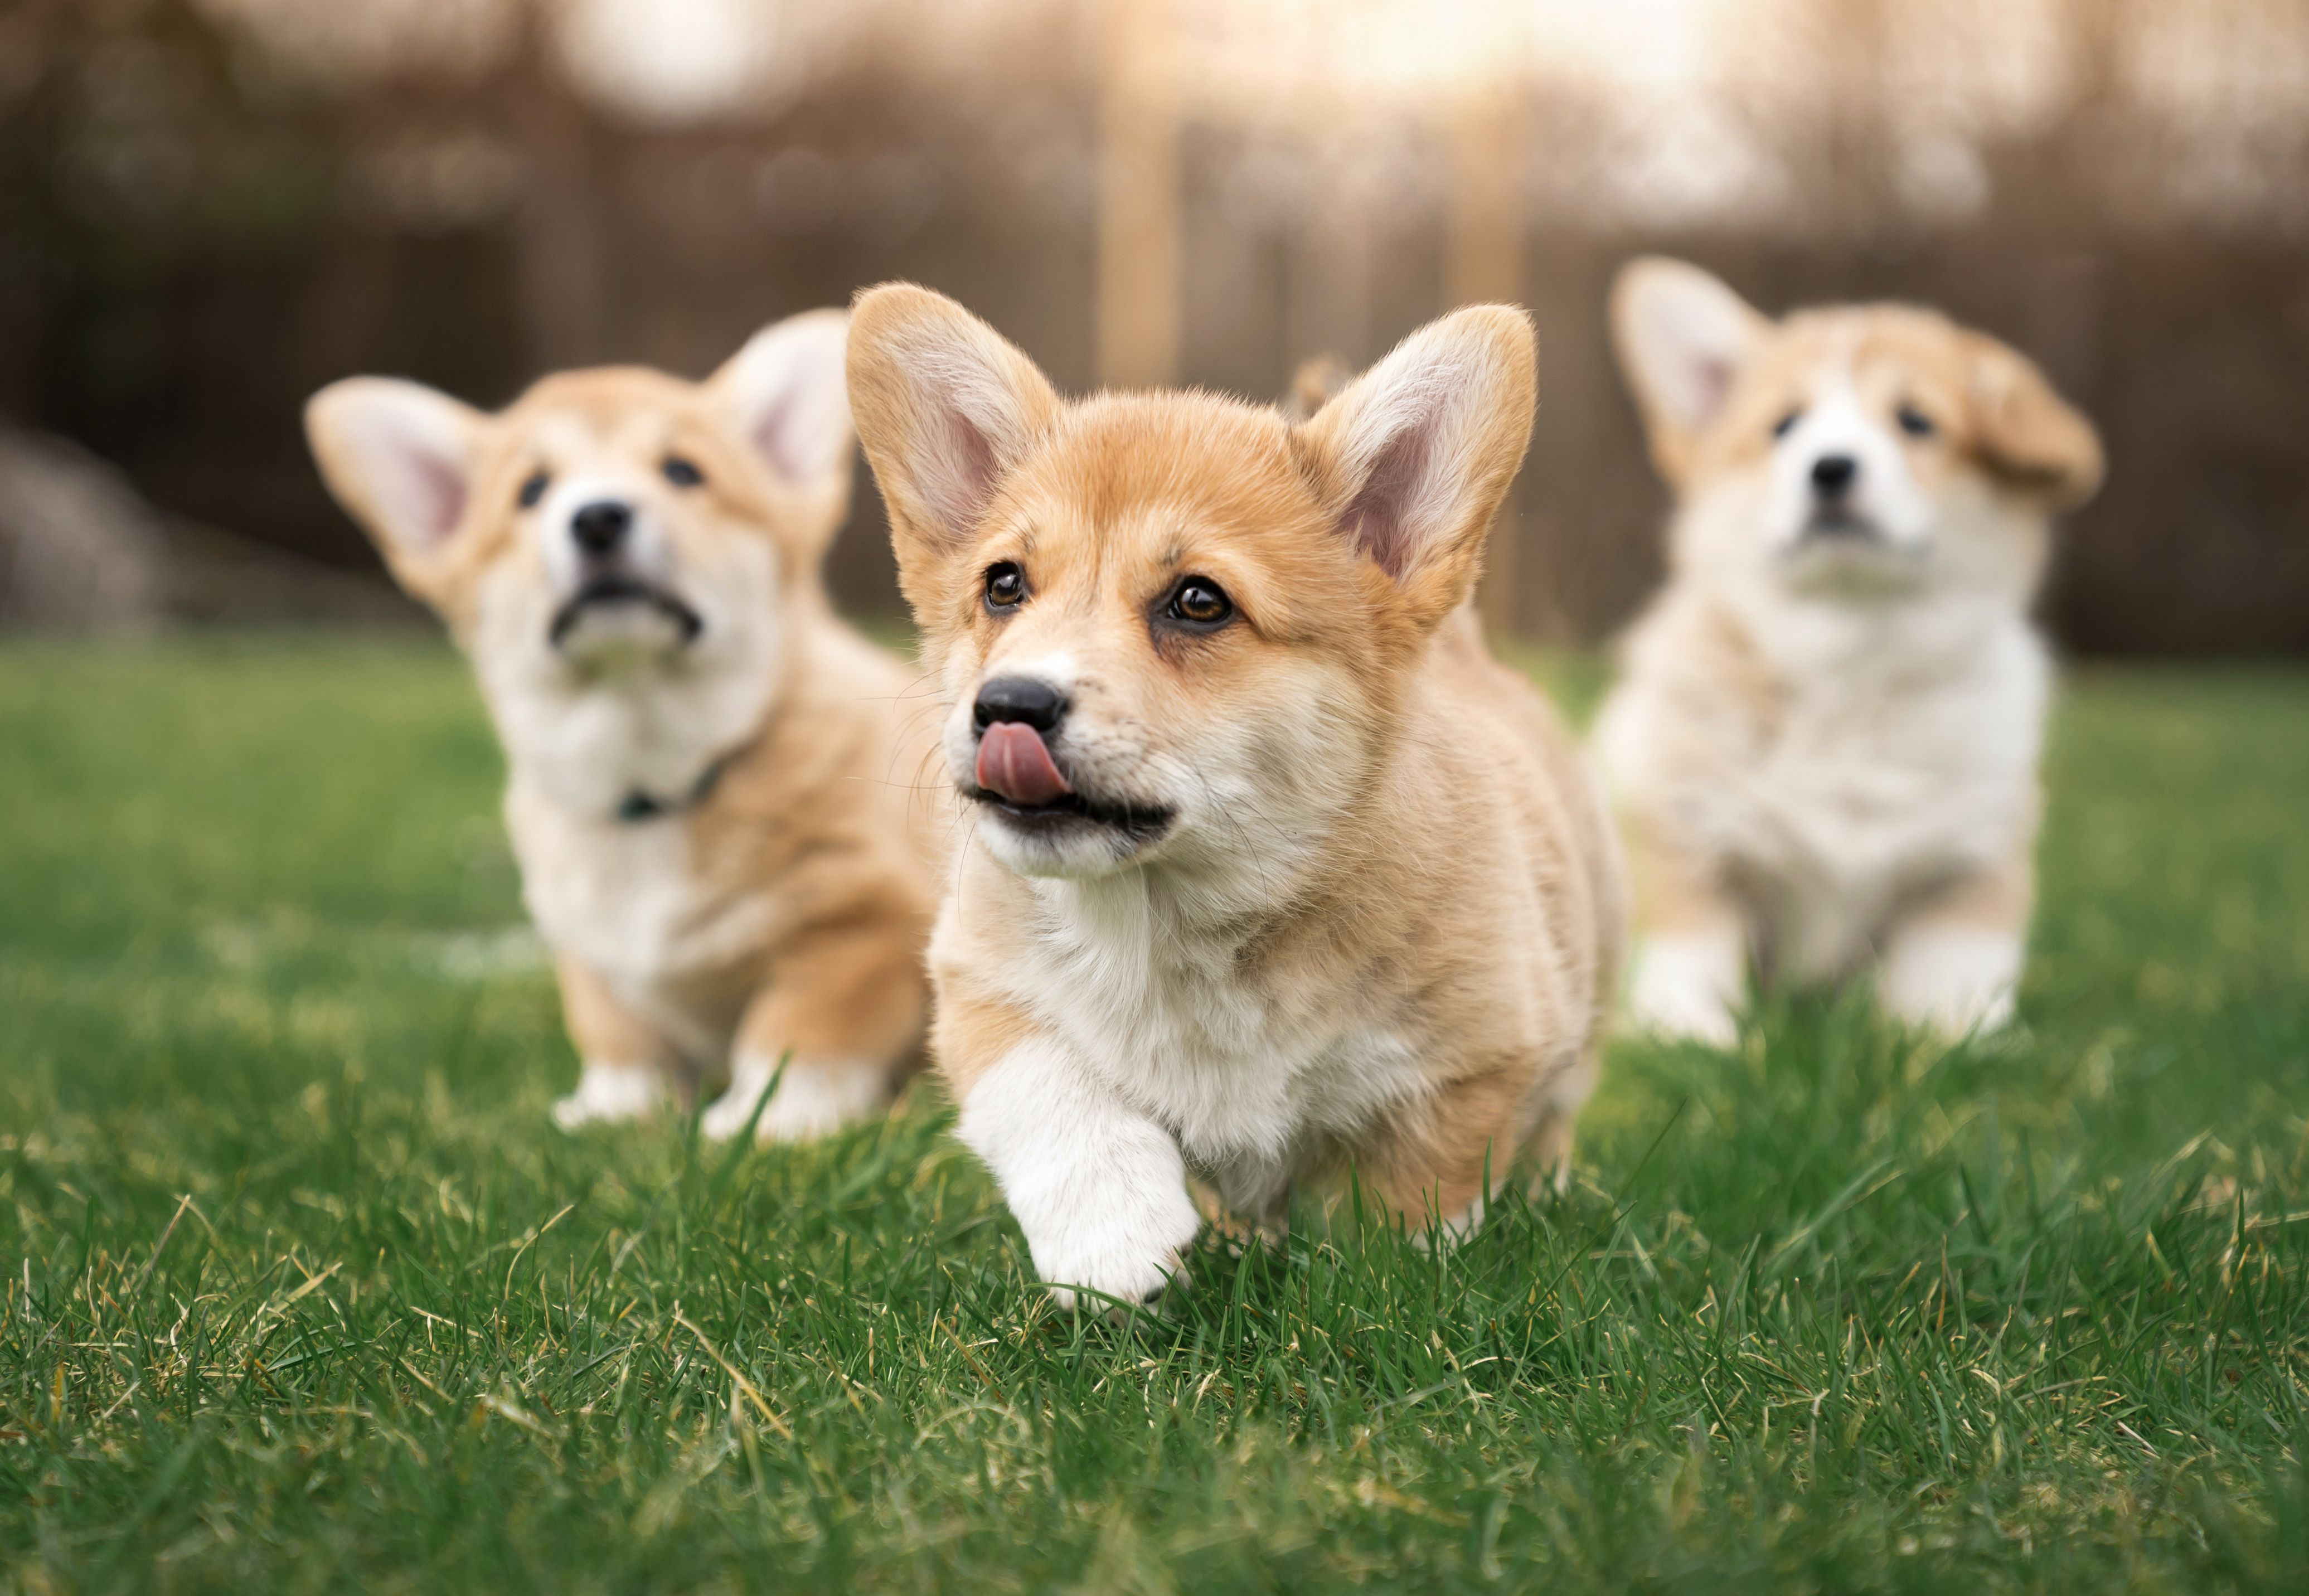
1020, 698
1831, 474
601, 526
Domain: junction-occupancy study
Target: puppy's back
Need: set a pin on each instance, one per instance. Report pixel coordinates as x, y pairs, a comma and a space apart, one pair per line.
1556, 793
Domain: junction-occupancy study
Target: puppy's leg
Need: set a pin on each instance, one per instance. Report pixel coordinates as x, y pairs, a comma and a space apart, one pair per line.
1099, 1188
1429, 1162
843, 1008
1547, 1149
1952, 962
1691, 946
622, 1061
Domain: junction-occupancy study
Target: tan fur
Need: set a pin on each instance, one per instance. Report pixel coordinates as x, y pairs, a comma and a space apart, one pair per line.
1825, 754
2007, 421
1390, 874
974, 1030
599, 1023
782, 911
1313, 386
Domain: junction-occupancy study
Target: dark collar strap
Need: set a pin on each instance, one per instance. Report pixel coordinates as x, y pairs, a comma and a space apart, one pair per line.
638, 805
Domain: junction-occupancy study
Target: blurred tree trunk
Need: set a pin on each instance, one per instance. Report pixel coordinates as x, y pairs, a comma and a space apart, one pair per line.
1327, 292
1483, 262
36, 39
559, 258
1139, 269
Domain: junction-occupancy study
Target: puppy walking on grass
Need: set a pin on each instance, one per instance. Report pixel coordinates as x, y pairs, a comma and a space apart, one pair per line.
712, 777
1824, 750
1274, 874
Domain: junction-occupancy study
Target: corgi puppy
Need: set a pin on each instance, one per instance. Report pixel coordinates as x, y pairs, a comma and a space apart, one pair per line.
1271, 873
1824, 745
709, 775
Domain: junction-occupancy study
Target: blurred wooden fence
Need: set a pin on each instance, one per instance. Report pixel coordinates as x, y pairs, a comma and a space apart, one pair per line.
188, 246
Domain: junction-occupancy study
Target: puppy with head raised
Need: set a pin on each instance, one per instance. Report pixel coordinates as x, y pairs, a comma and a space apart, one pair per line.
1824, 747
1272, 873
711, 775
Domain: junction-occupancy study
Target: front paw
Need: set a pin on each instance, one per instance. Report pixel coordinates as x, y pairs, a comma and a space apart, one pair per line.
1687, 987
1953, 982
814, 1098
610, 1093
727, 1115
1098, 1186
1128, 1251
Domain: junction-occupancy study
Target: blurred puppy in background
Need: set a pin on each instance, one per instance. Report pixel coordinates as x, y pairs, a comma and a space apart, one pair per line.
1824, 745
1273, 872
711, 775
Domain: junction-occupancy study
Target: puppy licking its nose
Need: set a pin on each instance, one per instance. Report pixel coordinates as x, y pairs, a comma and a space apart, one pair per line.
1194, 659
1013, 761
1012, 713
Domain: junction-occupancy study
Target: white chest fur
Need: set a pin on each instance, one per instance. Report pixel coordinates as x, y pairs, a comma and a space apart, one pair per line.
1157, 1053
626, 898
1160, 1010
625, 901
1897, 755
1918, 760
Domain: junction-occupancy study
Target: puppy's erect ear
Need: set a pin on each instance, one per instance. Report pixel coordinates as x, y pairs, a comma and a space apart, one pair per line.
946, 407
2025, 431
786, 395
399, 456
1682, 338
1415, 455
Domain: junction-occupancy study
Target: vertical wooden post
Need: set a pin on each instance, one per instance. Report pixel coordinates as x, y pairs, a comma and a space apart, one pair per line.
1482, 261
1138, 196
1332, 261
559, 260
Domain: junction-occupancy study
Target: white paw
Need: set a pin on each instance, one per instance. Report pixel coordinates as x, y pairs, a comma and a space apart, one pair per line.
1952, 981
815, 1097
608, 1093
1115, 1243
1098, 1186
1688, 986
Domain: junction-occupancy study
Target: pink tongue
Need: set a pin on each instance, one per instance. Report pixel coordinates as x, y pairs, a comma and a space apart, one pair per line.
1013, 762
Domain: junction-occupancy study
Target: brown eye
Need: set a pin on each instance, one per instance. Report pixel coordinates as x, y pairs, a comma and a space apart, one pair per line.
1200, 601
532, 489
1787, 424
1914, 422
1005, 586
680, 472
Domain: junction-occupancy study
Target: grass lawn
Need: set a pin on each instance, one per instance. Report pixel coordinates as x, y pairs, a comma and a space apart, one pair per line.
302, 1289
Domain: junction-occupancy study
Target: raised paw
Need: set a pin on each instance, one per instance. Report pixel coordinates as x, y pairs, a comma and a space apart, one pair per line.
1129, 1255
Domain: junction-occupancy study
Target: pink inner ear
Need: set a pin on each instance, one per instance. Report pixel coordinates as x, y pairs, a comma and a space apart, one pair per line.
777, 435
774, 437
964, 462
794, 411
419, 491
1378, 517
437, 495
1712, 382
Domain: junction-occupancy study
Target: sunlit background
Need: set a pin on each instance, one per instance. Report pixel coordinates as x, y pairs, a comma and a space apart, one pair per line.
208, 208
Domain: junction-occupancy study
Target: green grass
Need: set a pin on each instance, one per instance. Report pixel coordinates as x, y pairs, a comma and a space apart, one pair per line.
302, 1290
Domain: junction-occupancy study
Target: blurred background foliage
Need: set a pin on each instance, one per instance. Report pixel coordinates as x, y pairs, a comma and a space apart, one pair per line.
208, 208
